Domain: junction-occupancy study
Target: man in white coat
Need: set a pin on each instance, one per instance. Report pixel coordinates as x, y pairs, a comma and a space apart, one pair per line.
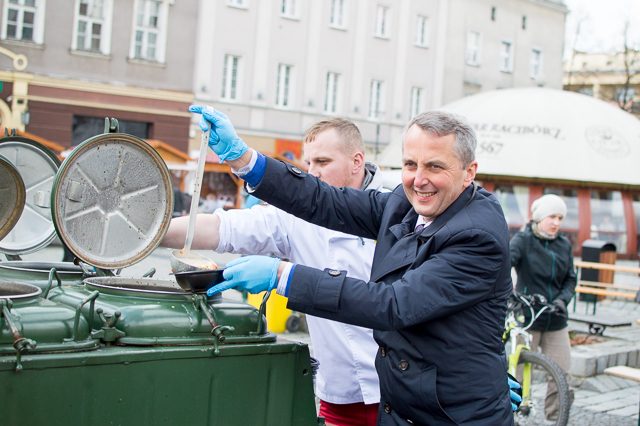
347, 382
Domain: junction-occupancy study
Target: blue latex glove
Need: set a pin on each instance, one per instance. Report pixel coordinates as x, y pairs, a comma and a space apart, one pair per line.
223, 138
516, 398
251, 273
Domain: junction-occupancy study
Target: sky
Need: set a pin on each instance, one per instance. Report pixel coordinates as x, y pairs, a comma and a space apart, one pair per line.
601, 25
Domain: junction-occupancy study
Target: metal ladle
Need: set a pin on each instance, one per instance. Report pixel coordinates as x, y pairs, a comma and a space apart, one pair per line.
185, 260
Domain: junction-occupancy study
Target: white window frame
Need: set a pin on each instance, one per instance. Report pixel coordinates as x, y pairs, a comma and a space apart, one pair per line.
417, 101
38, 9
338, 14
421, 38
383, 22
160, 30
506, 57
332, 93
105, 21
474, 52
229, 90
376, 99
284, 86
536, 61
290, 9
238, 4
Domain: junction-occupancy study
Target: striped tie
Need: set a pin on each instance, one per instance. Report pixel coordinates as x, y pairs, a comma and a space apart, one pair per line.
419, 228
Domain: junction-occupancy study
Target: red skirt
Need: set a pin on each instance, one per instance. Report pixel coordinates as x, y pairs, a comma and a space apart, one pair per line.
358, 414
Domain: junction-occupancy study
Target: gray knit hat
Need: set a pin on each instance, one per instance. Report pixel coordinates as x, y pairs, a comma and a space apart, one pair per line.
546, 206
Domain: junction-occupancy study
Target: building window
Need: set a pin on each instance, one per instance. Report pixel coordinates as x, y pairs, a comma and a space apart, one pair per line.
535, 65
514, 200
506, 56
493, 13
382, 22
290, 8
24, 20
84, 128
229, 77
149, 30
331, 97
375, 99
473, 48
283, 84
338, 18
92, 30
242, 4
607, 219
421, 32
524, 22
586, 91
416, 102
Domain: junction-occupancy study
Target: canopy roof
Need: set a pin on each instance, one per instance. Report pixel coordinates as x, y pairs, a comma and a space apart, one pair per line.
548, 134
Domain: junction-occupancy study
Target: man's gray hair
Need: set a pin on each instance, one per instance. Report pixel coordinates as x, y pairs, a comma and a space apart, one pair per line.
443, 123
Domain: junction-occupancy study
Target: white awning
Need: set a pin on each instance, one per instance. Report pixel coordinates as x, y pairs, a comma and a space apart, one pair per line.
547, 133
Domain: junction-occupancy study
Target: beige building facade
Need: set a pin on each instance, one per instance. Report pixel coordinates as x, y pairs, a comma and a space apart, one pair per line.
612, 78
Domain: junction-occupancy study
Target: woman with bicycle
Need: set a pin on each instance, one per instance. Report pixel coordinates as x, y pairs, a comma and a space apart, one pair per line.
543, 260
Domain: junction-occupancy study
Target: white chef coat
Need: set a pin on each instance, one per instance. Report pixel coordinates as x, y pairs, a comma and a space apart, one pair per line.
346, 353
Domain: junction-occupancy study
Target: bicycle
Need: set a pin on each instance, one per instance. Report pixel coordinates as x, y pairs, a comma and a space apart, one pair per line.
536, 372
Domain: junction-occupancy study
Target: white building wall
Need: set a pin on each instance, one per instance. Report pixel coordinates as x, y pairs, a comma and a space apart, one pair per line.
544, 29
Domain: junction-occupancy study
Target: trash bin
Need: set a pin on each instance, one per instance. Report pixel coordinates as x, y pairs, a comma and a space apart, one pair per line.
599, 252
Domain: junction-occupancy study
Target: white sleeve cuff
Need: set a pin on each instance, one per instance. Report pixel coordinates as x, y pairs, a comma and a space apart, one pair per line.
246, 169
284, 279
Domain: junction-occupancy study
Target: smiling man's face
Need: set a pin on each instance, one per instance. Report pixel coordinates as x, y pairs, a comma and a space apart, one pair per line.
432, 176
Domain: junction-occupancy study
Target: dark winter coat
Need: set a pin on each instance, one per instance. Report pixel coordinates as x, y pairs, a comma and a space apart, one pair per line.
544, 267
436, 299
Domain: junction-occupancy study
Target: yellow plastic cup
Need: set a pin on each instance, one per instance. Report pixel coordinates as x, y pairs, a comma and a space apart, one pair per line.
277, 312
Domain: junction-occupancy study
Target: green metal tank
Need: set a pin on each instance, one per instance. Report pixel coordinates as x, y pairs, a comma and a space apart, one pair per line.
136, 351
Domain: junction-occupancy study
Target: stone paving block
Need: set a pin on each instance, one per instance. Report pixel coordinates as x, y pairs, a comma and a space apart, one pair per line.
604, 397
594, 385
625, 411
583, 365
632, 357
613, 360
621, 383
617, 304
602, 362
621, 358
607, 380
608, 405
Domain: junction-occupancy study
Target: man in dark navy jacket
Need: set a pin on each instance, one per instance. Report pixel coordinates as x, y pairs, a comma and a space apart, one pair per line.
440, 277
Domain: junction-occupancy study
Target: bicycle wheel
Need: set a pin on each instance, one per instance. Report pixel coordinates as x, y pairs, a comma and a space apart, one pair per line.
546, 378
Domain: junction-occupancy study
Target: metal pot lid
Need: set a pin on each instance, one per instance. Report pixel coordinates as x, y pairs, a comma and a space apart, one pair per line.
112, 200
12, 196
37, 165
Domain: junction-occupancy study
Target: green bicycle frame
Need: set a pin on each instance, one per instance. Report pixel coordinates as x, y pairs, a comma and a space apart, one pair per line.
526, 376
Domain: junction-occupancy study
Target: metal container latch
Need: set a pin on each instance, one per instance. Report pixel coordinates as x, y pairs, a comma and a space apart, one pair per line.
21, 344
108, 333
200, 302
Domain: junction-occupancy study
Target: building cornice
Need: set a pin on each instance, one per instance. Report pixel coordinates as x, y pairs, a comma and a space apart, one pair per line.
551, 5
92, 87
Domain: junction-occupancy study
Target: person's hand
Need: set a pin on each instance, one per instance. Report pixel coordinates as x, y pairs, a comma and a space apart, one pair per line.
515, 392
223, 138
251, 273
560, 307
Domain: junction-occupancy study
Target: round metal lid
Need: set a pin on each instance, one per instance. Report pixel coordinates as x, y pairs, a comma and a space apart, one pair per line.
112, 200
37, 165
12, 196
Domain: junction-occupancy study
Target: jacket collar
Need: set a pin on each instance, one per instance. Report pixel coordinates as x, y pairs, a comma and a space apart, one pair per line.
376, 181
411, 218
